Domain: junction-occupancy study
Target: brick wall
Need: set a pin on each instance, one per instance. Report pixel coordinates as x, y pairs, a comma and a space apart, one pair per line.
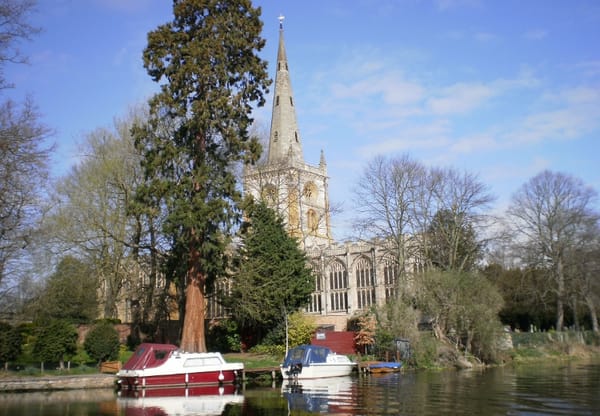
341, 342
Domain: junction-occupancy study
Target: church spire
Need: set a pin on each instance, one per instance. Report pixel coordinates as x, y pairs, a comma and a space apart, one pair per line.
284, 138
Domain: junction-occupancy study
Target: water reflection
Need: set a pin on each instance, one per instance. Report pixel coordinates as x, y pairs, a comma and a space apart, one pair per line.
207, 400
325, 395
561, 389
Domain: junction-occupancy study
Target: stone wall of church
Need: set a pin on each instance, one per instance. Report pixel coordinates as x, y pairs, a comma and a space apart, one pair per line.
351, 278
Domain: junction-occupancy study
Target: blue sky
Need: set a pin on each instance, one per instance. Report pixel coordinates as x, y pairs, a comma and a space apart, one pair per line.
502, 89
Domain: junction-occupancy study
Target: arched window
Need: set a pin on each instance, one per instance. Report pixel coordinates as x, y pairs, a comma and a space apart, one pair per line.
338, 287
312, 219
310, 191
269, 194
390, 278
365, 283
315, 304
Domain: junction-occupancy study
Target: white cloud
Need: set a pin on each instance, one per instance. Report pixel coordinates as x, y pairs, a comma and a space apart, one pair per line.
552, 125
474, 143
485, 37
574, 114
392, 88
589, 68
127, 6
444, 5
395, 146
536, 34
460, 98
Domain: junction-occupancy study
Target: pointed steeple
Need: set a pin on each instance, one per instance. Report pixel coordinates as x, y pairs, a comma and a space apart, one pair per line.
284, 138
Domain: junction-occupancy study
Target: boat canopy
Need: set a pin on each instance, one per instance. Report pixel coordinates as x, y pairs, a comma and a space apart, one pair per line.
148, 355
306, 355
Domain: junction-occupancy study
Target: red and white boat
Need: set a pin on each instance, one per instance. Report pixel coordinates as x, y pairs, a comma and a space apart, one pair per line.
164, 365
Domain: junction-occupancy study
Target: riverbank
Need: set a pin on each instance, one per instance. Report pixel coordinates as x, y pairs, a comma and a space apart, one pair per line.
43, 383
525, 349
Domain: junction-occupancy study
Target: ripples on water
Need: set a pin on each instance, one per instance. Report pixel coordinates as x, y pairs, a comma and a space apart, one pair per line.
540, 390
572, 389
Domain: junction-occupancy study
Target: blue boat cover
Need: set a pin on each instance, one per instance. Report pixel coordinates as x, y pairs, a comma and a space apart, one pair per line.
306, 355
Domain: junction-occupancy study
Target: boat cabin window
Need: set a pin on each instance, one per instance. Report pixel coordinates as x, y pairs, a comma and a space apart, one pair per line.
198, 362
296, 354
160, 354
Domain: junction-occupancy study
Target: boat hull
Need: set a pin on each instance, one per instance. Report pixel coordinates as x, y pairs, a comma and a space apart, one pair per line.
384, 367
318, 370
140, 381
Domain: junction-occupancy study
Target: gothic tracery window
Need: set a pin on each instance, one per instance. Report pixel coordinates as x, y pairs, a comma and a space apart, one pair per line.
315, 304
365, 283
390, 278
313, 221
269, 194
310, 191
338, 286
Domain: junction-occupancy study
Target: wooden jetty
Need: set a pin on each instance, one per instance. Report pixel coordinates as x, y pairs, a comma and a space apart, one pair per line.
273, 372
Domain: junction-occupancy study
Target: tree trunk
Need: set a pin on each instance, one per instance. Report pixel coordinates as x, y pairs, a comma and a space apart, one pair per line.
560, 307
193, 337
593, 315
560, 314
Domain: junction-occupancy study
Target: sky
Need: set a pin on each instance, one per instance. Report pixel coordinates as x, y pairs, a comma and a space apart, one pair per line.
500, 89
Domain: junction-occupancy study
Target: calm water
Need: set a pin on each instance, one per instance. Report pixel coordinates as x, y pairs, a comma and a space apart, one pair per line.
570, 389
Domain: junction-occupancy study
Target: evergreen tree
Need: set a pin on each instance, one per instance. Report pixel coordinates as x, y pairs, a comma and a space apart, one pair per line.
10, 343
273, 278
206, 61
55, 340
453, 244
69, 294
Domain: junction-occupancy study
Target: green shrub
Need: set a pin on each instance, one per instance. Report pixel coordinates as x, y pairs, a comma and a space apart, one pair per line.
10, 343
102, 342
424, 351
275, 350
55, 341
224, 336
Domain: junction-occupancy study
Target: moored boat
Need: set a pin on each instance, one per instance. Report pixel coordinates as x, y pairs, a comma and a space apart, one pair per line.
164, 365
384, 367
312, 361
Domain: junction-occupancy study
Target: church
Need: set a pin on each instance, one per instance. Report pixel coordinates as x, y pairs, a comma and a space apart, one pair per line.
350, 277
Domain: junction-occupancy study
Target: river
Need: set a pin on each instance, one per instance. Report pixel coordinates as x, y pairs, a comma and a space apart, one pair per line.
552, 389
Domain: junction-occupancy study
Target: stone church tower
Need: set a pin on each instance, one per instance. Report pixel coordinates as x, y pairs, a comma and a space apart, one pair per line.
297, 190
351, 277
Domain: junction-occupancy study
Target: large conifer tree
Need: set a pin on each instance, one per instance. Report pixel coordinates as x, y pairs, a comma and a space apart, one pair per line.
273, 278
210, 74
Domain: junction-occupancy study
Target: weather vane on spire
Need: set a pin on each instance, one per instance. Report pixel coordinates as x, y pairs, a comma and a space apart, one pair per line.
281, 17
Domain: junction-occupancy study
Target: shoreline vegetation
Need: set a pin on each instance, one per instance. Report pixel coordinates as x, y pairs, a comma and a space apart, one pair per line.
527, 348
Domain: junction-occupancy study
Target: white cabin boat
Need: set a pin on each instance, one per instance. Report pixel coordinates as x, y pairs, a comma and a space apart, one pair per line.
312, 361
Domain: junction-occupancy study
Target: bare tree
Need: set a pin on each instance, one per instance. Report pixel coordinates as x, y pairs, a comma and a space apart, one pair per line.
23, 155
455, 237
386, 198
551, 216
14, 28
582, 270
23, 172
422, 213
92, 214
